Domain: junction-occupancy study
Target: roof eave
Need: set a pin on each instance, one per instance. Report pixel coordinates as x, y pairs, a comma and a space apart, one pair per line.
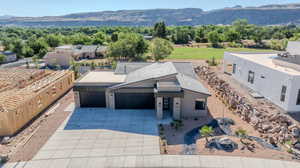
126, 84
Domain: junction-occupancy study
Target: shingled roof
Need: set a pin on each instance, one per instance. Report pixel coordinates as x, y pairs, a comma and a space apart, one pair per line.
183, 71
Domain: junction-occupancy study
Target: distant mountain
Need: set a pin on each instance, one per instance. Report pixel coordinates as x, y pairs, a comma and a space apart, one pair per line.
262, 15
6, 17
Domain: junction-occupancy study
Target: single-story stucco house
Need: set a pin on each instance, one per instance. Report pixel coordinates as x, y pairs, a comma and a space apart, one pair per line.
64, 55
171, 88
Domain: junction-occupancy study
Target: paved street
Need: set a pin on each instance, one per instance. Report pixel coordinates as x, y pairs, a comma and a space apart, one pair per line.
151, 161
96, 138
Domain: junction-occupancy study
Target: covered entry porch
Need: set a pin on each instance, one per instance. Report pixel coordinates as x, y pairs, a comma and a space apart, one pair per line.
168, 100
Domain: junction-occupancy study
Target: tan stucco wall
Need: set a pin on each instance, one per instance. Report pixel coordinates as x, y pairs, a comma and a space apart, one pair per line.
58, 58
188, 104
34, 104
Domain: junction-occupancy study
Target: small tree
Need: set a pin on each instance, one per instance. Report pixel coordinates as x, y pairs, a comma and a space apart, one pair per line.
214, 38
114, 37
75, 67
2, 58
160, 30
206, 131
160, 48
93, 66
242, 134
35, 60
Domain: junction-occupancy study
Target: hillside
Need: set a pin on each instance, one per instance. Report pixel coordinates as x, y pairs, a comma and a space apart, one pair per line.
262, 15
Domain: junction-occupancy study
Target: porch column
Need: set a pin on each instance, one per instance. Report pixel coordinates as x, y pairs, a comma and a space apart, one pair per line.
176, 108
159, 108
77, 99
110, 99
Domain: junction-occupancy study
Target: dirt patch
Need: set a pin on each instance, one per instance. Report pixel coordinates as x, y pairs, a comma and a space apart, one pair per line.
175, 138
27, 143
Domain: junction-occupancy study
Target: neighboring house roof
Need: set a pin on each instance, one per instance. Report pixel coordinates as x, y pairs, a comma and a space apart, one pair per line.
85, 48
191, 84
101, 49
7, 53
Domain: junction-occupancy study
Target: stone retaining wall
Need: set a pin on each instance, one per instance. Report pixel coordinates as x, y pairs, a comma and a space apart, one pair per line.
274, 128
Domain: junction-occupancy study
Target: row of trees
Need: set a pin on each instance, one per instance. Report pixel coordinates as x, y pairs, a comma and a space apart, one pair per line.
27, 42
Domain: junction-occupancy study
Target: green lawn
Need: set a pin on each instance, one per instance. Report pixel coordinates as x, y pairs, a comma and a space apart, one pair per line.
207, 53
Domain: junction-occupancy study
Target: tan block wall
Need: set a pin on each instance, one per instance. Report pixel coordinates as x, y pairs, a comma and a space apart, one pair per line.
14, 120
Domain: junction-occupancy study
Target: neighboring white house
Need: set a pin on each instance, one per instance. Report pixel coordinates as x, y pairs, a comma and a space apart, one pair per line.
276, 76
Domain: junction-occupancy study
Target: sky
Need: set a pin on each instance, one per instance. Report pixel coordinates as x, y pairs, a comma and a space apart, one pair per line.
61, 7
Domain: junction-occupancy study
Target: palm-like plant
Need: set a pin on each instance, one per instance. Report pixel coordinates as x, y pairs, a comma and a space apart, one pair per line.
206, 131
242, 134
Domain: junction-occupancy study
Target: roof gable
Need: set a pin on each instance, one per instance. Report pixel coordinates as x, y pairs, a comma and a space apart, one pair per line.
191, 84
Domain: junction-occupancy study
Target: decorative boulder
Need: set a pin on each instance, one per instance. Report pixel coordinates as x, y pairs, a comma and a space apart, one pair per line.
5, 140
225, 144
297, 145
296, 132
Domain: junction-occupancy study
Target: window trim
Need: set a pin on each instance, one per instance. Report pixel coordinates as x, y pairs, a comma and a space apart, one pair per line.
298, 98
233, 68
283, 93
251, 76
203, 105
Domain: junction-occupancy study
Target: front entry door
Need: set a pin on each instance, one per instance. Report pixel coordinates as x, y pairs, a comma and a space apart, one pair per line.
166, 103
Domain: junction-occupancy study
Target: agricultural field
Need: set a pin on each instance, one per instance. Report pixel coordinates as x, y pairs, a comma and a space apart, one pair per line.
207, 53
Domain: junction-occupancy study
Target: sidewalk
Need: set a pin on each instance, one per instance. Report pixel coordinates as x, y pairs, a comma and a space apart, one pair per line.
174, 161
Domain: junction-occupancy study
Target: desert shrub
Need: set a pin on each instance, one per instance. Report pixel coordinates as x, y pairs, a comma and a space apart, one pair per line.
212, 62
235, 45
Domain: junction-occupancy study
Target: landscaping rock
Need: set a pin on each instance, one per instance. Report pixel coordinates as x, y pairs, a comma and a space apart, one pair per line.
5, 140
266, 127
225, 144
297, 145
278, 126
296, 132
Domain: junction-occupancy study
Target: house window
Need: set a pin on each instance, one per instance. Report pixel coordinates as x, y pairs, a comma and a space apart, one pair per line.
298, 97
251, 77
200, 105
283, 93
233, 68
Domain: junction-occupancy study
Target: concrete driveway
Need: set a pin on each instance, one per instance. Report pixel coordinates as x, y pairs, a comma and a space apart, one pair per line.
103, 132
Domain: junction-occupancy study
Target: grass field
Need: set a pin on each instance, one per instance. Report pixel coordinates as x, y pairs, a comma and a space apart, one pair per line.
207, 53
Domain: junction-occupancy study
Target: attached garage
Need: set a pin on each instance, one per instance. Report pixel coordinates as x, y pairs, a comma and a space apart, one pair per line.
92, 99
134, 100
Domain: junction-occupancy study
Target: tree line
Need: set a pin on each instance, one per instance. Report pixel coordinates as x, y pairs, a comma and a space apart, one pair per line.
128, 42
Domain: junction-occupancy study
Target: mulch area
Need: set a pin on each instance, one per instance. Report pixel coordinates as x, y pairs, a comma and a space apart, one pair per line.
28, 142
